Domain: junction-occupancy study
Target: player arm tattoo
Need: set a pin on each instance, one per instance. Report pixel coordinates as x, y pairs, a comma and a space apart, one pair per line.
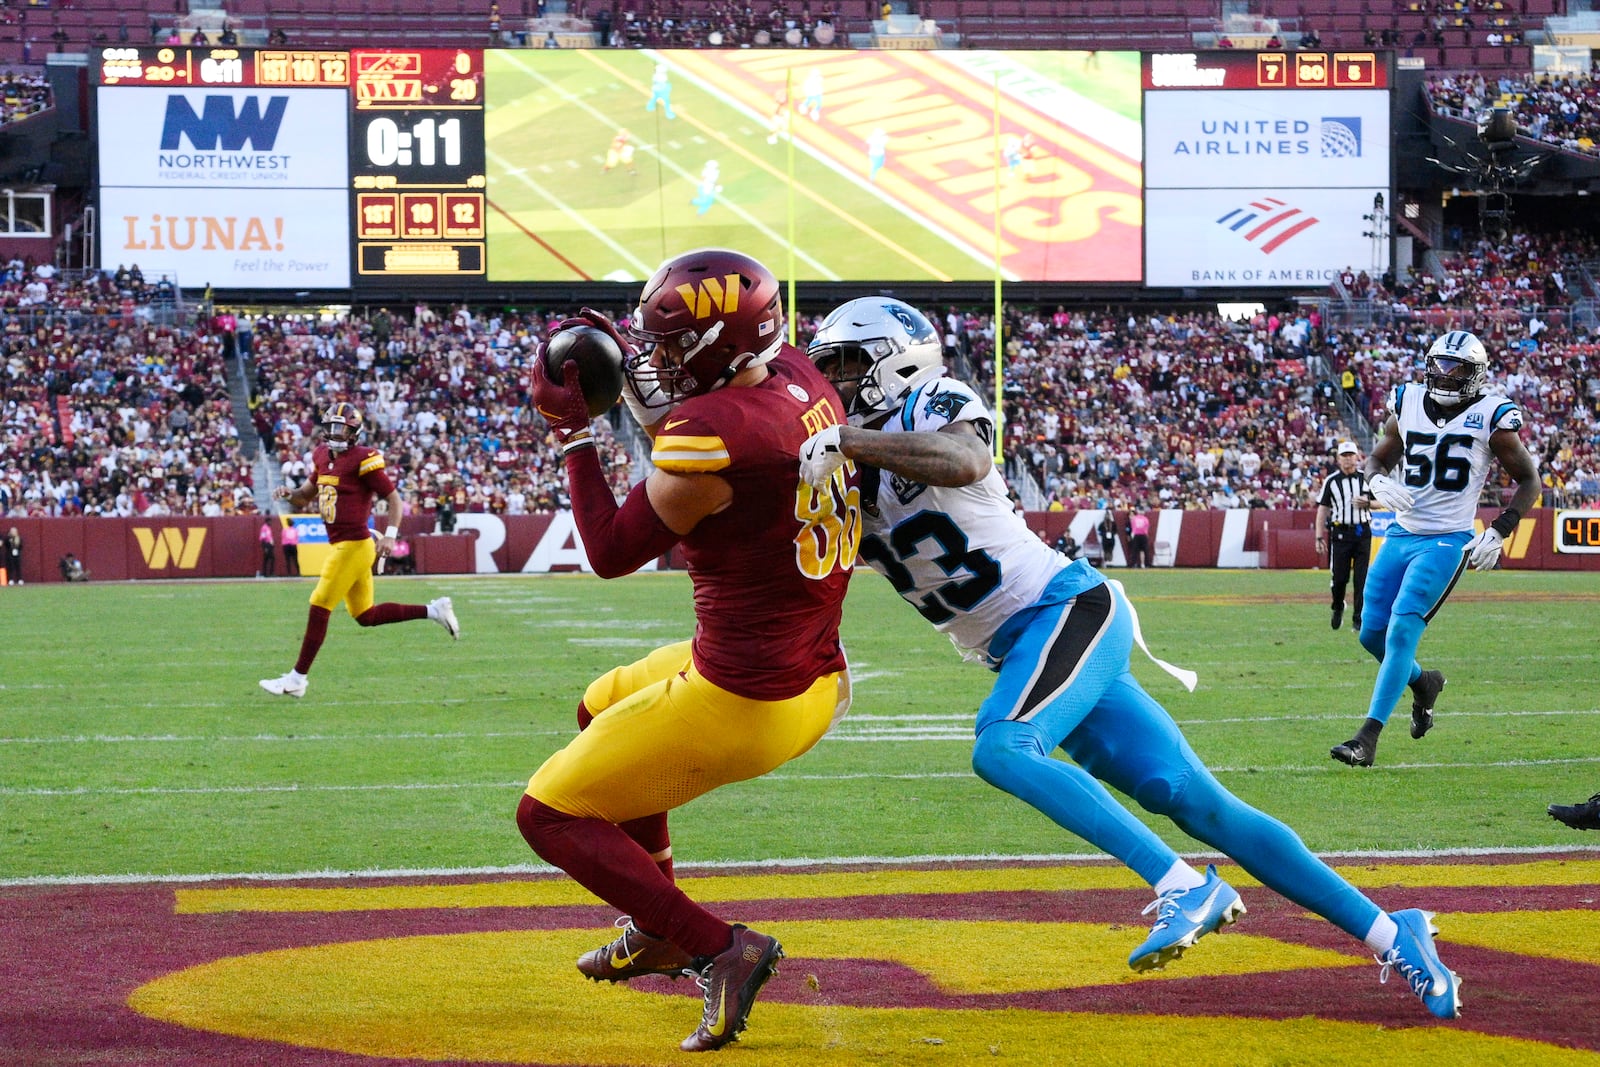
955, 455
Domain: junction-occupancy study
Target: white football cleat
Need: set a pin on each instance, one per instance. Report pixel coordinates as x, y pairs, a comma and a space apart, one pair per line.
287, 686
442, 613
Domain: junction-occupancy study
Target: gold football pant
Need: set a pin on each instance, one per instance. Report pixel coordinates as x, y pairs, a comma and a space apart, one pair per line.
347, 576
662, 735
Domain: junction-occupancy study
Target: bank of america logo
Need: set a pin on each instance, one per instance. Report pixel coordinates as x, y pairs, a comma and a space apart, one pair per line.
1267, 223
1341, 137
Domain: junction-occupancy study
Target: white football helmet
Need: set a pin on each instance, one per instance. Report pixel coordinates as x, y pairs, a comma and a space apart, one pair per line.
1456, 368
880, 348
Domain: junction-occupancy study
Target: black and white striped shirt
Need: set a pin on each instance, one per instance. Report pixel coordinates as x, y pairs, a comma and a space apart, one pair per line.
1338, 495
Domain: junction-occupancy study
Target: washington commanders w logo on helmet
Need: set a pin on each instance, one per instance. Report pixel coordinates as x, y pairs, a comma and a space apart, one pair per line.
703, 317
342, 426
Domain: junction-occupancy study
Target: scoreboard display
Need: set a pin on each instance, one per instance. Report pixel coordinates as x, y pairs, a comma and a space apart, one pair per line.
416, 163
1262, 168
398, 132
223, 66
1266, 70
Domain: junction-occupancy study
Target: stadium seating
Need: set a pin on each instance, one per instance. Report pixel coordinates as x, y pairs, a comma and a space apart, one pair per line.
1157, 408
1443, 40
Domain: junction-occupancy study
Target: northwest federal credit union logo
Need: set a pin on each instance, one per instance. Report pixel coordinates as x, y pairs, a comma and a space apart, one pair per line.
1267, 223
170, 545
223, 122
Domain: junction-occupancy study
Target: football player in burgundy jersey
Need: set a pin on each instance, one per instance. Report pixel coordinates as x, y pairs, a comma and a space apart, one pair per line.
346, 474
728, 404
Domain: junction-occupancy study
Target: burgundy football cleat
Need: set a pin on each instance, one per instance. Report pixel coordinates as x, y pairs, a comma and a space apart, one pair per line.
633, 954
731, 981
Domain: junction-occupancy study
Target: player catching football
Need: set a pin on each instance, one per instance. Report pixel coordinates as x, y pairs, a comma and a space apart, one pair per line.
1443, 434
769, 558
346, 476
940, 527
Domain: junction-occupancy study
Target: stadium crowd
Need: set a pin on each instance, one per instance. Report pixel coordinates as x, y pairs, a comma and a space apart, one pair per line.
106, 413
666, 24
103, 410
1559, 109
22, 94
446, 395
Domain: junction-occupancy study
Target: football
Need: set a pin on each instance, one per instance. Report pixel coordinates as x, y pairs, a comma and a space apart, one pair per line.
599, 361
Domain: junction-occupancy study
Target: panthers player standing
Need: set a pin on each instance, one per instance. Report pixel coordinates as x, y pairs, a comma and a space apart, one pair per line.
940, 527
346, 476
1444, 434
728, 405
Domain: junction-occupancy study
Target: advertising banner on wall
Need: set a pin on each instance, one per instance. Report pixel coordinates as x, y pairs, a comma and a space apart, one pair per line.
1253, 137
1277, 236
293, 238
1269, 178
240, 187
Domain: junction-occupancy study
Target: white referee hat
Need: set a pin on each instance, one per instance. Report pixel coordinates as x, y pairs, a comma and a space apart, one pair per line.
1347, 448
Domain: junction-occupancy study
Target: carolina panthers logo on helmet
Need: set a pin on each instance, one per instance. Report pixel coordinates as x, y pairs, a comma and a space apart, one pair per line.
902, 315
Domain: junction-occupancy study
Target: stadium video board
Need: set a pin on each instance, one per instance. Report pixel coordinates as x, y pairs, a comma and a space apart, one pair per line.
378, 169
602, 162
1259, 167
226, 169
228, 165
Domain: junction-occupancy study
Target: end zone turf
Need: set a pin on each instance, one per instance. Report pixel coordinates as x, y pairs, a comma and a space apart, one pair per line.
932, 965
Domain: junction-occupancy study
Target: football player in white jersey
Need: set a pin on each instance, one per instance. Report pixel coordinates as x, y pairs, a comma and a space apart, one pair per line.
938, 524
1443, 433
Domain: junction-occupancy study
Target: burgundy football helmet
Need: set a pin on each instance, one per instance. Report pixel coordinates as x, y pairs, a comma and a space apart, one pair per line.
704, 316
342, 426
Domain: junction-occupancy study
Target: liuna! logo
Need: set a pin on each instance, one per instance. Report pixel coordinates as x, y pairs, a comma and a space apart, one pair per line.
219, 125
1267, 223
170, 545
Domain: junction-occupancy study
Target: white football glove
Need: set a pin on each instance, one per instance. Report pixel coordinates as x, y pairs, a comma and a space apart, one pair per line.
1390, 493
647, 410
1483, 551
820, 456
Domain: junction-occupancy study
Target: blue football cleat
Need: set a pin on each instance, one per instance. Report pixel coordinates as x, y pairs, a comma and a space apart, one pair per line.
1414, 956
1183, 916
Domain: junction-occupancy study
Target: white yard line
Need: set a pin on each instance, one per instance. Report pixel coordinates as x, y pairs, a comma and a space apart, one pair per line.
890, 862
910, 776
883, 728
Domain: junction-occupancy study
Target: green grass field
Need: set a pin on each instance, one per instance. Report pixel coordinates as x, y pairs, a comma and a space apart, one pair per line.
557, 216
134, 740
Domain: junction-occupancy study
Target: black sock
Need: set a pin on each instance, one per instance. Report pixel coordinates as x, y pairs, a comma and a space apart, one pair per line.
1369, 731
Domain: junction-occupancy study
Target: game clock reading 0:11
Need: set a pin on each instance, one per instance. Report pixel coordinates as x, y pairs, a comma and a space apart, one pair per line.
417, 162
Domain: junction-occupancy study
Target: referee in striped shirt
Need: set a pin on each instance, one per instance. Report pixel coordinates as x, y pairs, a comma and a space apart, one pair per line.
1344, 529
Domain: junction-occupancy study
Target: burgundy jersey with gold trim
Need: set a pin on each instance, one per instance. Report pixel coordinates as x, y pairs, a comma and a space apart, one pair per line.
770, 570
346, 482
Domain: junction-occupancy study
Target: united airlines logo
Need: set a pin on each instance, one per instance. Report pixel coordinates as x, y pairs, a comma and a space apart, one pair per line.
218, 125
1341, 137
1267, 223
